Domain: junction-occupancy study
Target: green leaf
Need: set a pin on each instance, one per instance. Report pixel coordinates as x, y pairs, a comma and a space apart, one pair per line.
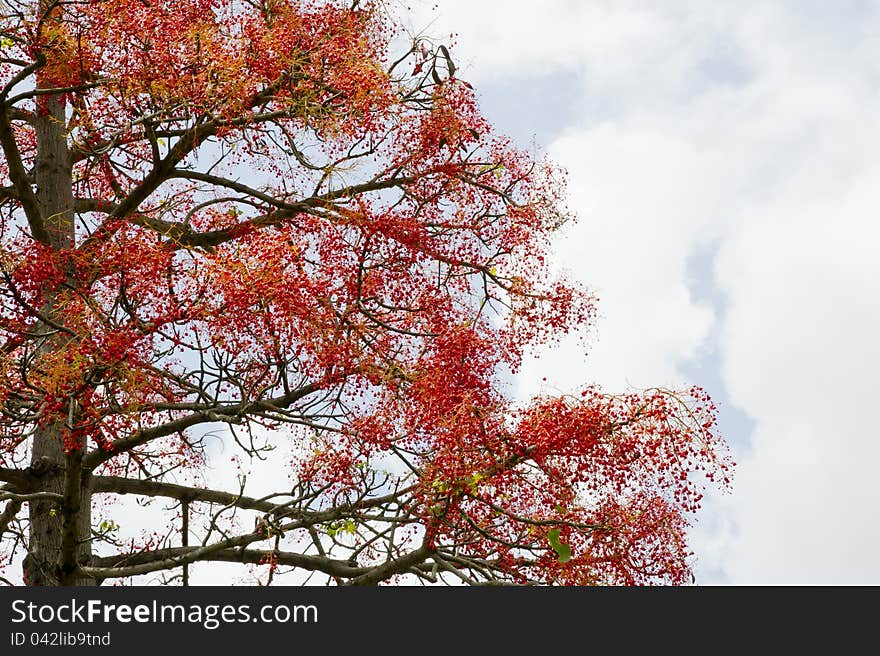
475, 480
108, 526
6, 42
564, 552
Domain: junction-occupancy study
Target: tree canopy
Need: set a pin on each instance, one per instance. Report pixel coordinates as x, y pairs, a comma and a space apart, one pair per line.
267, 219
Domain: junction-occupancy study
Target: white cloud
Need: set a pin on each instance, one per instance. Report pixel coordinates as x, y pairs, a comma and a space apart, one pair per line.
749, 126
509, 38
630, 246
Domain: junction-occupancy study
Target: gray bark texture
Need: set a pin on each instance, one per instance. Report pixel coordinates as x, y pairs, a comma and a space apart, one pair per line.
59, 537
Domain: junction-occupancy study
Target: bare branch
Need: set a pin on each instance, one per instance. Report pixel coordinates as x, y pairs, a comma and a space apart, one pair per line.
333, 567
9, 513
20, 180
119, 485
223, 413
34, 496
393, 567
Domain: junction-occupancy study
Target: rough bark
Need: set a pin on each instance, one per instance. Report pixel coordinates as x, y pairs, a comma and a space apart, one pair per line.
59, 536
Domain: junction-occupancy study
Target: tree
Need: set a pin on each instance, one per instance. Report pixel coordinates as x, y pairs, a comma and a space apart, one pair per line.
244, 217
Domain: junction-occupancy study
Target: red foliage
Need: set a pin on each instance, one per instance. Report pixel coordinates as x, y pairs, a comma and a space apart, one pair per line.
267, 207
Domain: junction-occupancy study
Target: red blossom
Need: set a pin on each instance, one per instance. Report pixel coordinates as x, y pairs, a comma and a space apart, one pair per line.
276, 228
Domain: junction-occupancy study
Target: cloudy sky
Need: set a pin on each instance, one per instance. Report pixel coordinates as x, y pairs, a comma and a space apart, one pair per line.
723, 159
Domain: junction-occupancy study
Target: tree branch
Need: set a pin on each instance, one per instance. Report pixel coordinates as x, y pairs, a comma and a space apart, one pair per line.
22, 75
392, 567
9, 513
154, 179
34, 496
119, 485
19, 478
326, 565
141, 437
20, 179
186, 144
17, 114
218, 181
170, 560
178, 556
183, 236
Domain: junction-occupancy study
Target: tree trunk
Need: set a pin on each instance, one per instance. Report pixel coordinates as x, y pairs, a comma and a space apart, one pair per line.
59, 535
